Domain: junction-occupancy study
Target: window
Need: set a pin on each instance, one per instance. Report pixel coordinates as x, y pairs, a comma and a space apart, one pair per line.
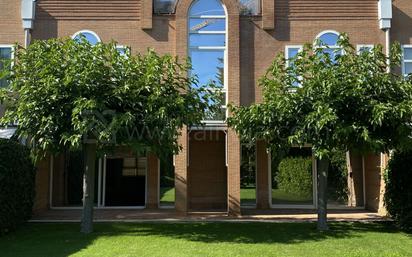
364, 48
246, 7
249, 7
90, 36
407, 60
6, 54
207, 48
164, 6
290, 53
123, 50
328, 40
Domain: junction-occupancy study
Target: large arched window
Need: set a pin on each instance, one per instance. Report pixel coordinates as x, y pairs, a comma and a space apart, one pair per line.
207, 47
328, 40
90, 36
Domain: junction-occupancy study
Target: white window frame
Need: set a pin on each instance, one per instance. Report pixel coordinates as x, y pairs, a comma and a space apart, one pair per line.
9, 46
327, 32
360, 46
287, 57
12, 47
224, 89
121, 47
403, 58
87, 31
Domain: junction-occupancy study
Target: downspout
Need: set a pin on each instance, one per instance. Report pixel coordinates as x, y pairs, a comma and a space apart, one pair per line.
27, 37
385, 18
388, 48
28, 14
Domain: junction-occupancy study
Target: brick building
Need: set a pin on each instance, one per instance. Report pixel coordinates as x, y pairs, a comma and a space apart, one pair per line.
239, 38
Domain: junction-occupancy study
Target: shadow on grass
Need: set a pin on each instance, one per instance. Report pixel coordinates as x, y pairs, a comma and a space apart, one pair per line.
246, 233
65, 239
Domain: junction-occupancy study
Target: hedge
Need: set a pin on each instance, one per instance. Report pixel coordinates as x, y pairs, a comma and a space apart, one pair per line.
17, 181
398, 195
295, 176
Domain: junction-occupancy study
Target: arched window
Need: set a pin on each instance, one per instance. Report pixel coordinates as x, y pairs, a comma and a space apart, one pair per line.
207, 47
90, 36
328, 40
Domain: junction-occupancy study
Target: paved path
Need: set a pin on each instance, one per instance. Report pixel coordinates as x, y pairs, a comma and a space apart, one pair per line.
131, 215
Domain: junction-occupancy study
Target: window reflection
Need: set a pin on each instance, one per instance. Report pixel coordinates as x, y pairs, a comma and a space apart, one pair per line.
207, 48
90, 36
5, 57
329, 42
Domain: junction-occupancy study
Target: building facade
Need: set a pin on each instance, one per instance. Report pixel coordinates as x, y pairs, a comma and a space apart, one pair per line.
232, 42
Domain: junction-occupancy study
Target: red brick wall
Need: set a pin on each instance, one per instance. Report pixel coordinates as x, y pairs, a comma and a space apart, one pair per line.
207, 172
251, 48
42, 185
373, 181
152, 182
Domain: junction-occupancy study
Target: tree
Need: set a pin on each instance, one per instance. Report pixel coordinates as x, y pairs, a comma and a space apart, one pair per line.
343, 103
68, 94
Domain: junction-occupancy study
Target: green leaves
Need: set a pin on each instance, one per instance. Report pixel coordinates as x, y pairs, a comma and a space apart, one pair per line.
349, 102
63, 92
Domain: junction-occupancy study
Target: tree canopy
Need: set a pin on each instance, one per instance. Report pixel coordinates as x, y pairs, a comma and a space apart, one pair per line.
346, 101
63, 90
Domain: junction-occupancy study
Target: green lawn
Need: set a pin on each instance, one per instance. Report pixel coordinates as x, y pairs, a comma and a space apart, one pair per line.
207, 239
167, 195
248, 196
281, 197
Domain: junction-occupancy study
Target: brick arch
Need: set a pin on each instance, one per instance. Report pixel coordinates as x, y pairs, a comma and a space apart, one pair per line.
182, 7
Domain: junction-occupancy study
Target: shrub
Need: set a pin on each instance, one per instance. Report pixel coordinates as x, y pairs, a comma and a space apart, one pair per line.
338, 178
295, 176
398, 195
17, 175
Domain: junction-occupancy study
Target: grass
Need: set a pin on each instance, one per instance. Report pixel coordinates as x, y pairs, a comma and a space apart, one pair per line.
281, 197
208, 239
248, 196
167, 195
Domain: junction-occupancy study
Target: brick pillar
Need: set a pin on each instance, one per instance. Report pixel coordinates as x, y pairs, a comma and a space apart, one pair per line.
233, 95
268, 14
355, 167
181, 201
146, 14
152, 182
233, 174
262, 176
373, 182
41, 200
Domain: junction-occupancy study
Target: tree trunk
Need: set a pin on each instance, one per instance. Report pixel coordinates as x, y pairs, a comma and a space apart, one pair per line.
89, 152
323, 166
